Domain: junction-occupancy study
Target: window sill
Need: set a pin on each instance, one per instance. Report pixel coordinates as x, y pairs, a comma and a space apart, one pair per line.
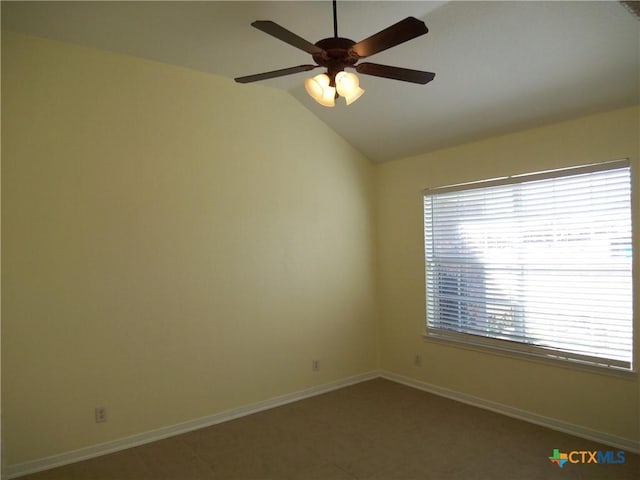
531, 357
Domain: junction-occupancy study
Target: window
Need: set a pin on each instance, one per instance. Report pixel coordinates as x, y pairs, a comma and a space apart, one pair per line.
537, 264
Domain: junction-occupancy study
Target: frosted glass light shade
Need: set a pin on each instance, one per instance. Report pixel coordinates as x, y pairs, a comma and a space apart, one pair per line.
354, 96
348, 86
319, 89
346, 83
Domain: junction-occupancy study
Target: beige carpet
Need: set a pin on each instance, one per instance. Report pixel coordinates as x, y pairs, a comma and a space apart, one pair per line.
373, 430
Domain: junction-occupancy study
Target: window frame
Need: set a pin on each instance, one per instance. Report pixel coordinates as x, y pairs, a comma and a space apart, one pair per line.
521, 350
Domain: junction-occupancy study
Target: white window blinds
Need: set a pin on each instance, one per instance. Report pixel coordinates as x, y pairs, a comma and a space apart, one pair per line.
538, 264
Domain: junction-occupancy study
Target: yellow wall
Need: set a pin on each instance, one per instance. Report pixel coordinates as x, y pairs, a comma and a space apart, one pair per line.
174, 245
599, 402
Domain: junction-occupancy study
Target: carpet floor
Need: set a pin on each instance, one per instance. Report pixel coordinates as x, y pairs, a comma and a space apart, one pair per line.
373, 430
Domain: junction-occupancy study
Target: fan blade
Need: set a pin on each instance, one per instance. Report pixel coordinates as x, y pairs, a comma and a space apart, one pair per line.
395, 73
275, 73
281, 33
396, 34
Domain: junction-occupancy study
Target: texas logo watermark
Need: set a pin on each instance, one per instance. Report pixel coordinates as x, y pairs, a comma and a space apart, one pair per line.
587, 456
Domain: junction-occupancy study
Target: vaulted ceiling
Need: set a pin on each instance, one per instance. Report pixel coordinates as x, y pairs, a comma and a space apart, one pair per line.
500, 66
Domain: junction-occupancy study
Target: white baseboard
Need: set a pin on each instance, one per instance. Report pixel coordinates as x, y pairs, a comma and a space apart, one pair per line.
552, 423
93, 451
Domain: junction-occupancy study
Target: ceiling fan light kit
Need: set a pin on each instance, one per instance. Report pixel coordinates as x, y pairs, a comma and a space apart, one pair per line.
347, 85
336, 53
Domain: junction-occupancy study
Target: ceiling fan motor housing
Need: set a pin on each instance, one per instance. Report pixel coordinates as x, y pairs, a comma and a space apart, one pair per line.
336, 55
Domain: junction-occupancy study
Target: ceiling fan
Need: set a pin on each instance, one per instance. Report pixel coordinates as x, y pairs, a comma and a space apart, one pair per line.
337, 53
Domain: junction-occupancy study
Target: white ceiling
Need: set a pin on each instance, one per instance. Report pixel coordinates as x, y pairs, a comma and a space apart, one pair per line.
500, 66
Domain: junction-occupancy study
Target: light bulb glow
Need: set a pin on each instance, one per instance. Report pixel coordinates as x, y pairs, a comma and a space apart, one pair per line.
323, 79
318, 88
346, 83
315, 85
328, 97
348, 86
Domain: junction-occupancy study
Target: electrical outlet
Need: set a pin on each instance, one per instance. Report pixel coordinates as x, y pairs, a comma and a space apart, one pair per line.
315, 365
101, 414
417, 361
